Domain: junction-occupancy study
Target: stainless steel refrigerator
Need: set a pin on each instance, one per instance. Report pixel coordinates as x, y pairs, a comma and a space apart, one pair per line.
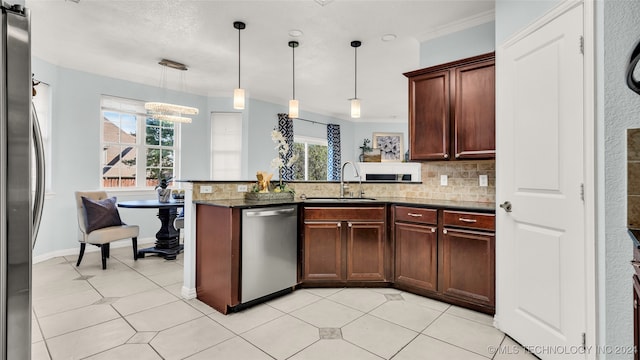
19, 209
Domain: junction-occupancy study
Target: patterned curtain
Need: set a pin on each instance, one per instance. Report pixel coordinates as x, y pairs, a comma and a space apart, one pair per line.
285, 126
333, 156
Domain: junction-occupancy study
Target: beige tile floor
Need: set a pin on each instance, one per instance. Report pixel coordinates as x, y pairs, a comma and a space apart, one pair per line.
133, 310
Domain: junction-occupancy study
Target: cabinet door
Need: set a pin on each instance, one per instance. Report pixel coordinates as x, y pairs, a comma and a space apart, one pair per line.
429, 116
365, 251
636, 316
474, 115
467, 266
322, 251
416, 255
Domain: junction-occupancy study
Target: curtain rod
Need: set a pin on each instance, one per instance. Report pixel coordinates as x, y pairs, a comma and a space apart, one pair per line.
312, 121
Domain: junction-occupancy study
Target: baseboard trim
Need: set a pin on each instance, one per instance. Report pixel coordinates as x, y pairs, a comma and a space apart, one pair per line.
188, 293
76, 250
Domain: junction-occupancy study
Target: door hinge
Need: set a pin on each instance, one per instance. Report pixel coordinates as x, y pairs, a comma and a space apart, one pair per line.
582, 45
584, 340
582, 191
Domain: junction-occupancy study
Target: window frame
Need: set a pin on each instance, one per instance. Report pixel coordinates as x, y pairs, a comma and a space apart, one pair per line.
309, 140
213, 167
140, 145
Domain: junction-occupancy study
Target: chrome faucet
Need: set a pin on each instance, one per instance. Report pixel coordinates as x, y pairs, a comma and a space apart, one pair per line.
342, 185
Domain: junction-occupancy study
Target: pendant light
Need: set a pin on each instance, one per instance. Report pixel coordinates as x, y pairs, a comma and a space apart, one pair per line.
238, 94
293, 103
165, 111
355, 102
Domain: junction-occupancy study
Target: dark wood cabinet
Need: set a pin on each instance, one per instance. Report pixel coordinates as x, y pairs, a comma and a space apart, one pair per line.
447, 255
452, 110
636, 317
343, 244
467, 257
429, 109
365, 250
416, 247
635, 262
323, 251
218, 256
467, 268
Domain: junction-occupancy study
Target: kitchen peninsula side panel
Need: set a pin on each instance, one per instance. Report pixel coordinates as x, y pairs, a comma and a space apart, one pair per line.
218, 256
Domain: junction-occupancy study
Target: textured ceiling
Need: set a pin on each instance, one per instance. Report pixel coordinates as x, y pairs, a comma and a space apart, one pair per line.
126, 39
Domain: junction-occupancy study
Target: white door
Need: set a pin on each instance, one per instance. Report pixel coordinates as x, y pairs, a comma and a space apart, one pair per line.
540, 245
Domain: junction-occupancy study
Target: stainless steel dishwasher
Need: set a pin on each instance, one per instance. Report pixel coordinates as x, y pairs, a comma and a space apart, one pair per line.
269, 251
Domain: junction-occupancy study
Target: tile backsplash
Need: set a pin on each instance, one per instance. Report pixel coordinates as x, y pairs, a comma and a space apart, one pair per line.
462, 184
633, 178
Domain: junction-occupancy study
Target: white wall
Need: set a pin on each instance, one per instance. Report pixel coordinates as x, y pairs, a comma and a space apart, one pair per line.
459, 45
76, 142
75, 133
621, 110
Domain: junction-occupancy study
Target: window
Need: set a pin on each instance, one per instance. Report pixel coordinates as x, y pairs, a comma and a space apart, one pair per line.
226, 146
132, 161
311, 163
42, 105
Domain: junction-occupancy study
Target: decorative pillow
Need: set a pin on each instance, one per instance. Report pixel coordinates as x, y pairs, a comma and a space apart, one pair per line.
101, 213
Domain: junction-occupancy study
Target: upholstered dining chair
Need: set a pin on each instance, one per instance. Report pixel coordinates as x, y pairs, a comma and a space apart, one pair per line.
99, 224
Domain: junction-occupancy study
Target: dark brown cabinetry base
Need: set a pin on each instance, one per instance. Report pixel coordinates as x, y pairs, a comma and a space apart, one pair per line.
446, 255
442, 254
343, 245
636, 316
218, 256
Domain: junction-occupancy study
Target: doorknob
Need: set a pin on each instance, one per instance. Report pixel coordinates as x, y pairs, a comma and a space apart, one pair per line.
506, 206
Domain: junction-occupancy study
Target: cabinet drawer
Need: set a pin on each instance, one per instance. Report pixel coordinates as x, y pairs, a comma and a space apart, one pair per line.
469, 220
344, 213
417, 215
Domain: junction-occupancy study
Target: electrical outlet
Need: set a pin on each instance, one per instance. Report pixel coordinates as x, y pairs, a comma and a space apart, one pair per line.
206, 189
483, 180
444, 180
242, 188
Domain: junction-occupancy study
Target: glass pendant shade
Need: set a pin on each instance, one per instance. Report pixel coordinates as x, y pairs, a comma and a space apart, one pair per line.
355, 108
293, 109
355, 102
165, 111
238, 99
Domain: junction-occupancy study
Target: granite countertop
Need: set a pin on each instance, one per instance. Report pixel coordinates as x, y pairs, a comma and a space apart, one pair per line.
449, 204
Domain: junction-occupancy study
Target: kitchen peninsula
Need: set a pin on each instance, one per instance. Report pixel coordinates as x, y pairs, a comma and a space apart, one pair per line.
438, 248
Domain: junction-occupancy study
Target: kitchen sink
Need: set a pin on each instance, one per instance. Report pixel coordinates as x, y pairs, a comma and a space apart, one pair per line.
337, 199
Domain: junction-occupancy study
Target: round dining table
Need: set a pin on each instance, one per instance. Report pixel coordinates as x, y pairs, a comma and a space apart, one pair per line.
168, 237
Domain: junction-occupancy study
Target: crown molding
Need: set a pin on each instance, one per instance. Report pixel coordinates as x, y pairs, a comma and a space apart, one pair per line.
475, 20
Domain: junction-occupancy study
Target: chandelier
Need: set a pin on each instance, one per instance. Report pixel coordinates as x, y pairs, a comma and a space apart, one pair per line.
165, 111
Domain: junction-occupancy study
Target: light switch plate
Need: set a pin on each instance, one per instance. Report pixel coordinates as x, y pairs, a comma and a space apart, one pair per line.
242, 188
206, 189
444, 180
483, 180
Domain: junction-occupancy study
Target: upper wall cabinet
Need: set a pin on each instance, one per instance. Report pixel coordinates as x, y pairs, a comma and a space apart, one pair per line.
452, 110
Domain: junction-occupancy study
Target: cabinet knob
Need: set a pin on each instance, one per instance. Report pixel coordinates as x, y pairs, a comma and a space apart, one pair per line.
457, 156
433, 230
444, 231
339, 225
350, 224
446, 156
414, 215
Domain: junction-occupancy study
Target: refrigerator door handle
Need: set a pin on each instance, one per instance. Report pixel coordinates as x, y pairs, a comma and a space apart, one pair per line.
38, 201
